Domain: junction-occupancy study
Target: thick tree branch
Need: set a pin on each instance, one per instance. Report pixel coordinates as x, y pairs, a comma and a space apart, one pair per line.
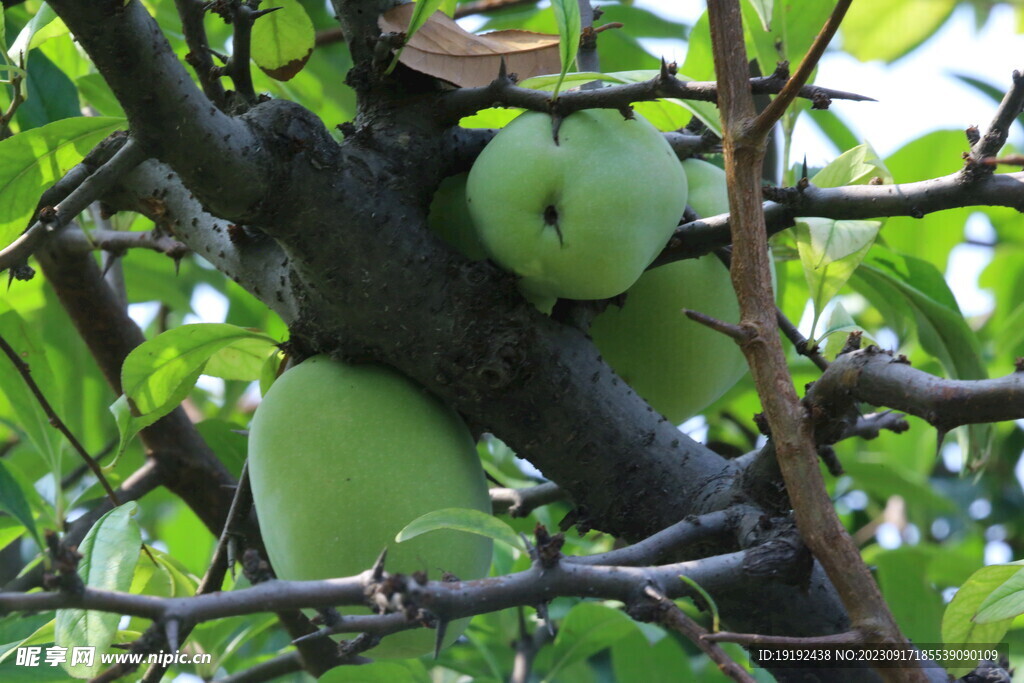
696, 238
879, 379
218, 156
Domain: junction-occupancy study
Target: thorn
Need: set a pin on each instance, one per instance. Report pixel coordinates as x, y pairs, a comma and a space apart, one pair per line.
803, 173
171, 632
315, 635
664, 73
378, 565
439, 633
503, 70
542, 612
940, 434
530, 550
738, 333
260, 12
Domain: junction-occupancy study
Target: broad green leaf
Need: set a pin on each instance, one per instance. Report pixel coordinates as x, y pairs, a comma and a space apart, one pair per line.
856, 166
33, 160
94, 90
50, 94
43, 26
283, 40
110, 552
404, 671
958, 624
699, 62
461, 519
637, 660
567, 15
916, 604
243, 360
830, 251
889, 29
764, 12
41, 636
1005, 602
157, 371
14, 503
588, 628
794, 25
941, 328
840, 325
31, 417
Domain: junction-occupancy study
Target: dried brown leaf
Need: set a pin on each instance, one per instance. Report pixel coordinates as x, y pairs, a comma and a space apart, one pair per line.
443, 49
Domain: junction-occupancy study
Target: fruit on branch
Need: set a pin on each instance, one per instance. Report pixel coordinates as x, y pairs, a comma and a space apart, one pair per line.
341, 458
449, 218
579, 217
678, 365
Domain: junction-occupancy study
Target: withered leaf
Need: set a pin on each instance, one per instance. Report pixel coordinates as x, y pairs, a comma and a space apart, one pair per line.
443, 49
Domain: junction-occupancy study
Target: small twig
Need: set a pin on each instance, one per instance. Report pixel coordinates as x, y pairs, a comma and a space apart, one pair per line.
52, 219
767, 119
668, 614
16, 101
199, 56
870, 426
455, 104
213, 580
119, 241
521, 502
745, 639
527, 645
26, 374
993, 140
736, 332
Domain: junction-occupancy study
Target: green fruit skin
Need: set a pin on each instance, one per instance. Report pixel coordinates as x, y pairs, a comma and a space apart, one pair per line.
614, 186
341, 458
679, 366
449, 218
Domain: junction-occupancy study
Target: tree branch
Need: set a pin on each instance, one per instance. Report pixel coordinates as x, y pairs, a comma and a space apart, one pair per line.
791, 431
218, 156
521, 502
52, 219
455, 104
877, 378
773, 112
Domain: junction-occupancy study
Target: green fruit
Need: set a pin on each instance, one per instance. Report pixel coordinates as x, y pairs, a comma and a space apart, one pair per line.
449, 218
583, 217
341, 458
679, 366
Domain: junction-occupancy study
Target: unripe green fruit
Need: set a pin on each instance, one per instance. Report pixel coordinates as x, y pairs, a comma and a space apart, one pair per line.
449, 218
679, 366
341, 458
583, 217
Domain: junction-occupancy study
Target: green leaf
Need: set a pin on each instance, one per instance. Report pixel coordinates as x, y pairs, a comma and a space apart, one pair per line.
941, 328
31, 417
589, 628
764, 12
856, 166
840, 324
420, 13
43, 26
567, 15
916, 604
283, 40
830, 251
50, 94
14, 503
461, 519
110, 552
403, 671
888, 29
156, 372
33, 160
794, 25
637, 660
94, 90
1005, 602
958, 625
